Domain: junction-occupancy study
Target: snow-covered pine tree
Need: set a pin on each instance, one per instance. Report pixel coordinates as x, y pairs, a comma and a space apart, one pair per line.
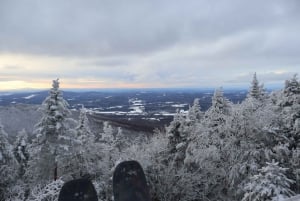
210, 149
83, 130
255, 136
178, 133
54, 137
85, 148
287, 105
216, 119
55, 111
181, 130
256, 90
194, 113
21, 152
291, 109
271, 184
219, 110
295, 165
8, 164
292, 87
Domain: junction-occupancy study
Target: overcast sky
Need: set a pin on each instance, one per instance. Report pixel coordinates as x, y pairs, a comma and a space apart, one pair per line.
154, 43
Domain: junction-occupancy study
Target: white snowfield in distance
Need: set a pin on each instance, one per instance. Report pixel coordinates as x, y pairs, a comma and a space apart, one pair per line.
30, 96
295, 198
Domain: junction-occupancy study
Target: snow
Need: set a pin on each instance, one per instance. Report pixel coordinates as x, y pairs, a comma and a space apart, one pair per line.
29, 97
53, 107
179, 105
180, 145
136, 109
116, 107
23, 143
151, 119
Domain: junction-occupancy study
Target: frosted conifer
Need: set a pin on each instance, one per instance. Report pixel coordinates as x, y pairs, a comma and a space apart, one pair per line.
21, 151
54, 138
292, 86
195, 113
8, 163
257, 90
270, 184
83, 130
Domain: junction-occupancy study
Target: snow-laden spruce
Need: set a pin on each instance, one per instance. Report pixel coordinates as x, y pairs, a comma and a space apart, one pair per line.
8, 164
54, 140
270, 184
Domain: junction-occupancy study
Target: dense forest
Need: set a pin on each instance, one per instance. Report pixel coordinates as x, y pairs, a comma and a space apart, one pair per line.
248, 151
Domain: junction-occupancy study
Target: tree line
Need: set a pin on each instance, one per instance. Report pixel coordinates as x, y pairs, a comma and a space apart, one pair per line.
245, 152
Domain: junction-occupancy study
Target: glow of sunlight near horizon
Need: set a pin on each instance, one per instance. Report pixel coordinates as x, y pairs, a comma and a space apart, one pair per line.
22, 71
15, 78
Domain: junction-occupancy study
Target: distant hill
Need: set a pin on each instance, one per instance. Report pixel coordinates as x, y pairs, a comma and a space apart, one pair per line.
133, 110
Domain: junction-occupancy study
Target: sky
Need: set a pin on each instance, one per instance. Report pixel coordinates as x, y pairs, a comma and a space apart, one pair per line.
148, 44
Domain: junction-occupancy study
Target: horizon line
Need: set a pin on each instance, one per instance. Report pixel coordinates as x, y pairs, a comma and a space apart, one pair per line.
276, 87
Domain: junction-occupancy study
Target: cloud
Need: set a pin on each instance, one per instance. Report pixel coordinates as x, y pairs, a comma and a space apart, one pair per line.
130, 27
11, 67
270, 77
138, 42
5, 79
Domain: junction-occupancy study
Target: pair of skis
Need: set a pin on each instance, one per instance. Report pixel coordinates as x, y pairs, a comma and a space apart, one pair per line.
129, 184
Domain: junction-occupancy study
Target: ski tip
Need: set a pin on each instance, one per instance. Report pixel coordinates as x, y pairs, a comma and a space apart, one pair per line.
78, 190
129, 182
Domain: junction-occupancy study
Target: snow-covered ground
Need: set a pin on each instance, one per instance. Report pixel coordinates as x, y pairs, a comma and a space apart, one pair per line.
179, 105
30, 96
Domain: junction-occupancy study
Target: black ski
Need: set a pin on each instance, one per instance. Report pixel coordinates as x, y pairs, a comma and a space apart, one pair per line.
129, 182
78, 190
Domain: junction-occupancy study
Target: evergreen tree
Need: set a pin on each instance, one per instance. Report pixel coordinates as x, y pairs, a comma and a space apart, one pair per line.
220, 109
291, 110
54, 138
295, 164
256, 90
83, 130
209, 148
292, 86
270, 184
194, 113
256, 140
21, 152
178, 133
8, 164
85, 147
287, 106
